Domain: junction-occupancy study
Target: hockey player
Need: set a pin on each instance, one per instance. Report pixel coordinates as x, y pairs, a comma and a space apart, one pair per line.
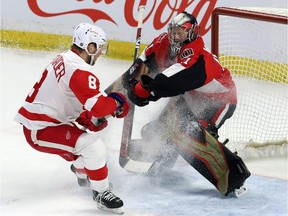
187, 68
68, 92
201, 91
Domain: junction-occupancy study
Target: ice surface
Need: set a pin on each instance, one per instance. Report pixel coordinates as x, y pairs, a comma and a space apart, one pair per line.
34, 183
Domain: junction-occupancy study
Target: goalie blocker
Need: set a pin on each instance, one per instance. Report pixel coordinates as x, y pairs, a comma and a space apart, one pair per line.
134, 72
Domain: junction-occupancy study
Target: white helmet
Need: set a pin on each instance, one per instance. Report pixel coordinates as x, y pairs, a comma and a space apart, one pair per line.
86, 33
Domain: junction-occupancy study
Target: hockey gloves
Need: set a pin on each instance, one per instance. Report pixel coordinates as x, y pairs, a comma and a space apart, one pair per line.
91, 123
139, 93
123, 106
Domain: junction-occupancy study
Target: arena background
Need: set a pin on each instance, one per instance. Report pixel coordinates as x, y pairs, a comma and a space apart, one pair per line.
48, 25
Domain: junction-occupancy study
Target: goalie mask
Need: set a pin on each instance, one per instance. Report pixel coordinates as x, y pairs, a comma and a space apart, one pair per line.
182, 30
86, 33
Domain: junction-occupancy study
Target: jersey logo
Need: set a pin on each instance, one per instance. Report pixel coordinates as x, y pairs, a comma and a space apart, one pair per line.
186, 53
68, 135
58, 66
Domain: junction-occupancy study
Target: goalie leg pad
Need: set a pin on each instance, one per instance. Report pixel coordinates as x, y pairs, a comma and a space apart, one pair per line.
238, 171
225, 170
164, 160
162, 156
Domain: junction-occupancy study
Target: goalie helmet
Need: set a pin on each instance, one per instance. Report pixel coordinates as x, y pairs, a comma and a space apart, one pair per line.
182, 30
86, 33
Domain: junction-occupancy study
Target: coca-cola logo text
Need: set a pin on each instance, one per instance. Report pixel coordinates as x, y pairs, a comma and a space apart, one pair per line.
156, 12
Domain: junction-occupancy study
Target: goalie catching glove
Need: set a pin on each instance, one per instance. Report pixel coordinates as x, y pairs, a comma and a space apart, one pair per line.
122, 105
139, 91
90, 122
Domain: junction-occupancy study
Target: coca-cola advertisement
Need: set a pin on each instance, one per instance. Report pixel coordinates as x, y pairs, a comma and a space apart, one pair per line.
117, 17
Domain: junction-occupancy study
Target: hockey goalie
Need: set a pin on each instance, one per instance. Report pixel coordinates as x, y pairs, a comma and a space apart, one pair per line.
202, 96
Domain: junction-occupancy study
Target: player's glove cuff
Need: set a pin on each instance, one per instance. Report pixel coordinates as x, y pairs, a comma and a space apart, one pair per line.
123, 107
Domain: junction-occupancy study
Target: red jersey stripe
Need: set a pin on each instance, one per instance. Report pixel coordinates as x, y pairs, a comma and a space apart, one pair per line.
37, 116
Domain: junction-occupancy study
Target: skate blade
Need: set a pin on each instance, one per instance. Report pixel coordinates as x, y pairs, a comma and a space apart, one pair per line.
112, 210
241, 191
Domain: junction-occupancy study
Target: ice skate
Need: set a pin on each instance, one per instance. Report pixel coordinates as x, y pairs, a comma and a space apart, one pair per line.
107, 201
241, 191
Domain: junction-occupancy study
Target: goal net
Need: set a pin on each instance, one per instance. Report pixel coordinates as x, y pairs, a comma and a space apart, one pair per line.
252, 44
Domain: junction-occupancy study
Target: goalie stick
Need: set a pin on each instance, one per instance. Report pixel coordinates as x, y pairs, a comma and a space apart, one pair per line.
124, 160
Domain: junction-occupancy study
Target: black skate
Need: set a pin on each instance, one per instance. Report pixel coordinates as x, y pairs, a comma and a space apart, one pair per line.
237, 175
212, 130
107, 201
82, 182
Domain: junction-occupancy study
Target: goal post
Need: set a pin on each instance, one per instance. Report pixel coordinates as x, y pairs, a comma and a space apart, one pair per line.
252, 44
244, 13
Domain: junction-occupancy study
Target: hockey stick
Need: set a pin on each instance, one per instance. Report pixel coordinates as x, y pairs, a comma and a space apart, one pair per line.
124, 160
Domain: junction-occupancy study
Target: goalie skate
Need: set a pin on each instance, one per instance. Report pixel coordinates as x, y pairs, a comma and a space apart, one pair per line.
241, 191
107, 201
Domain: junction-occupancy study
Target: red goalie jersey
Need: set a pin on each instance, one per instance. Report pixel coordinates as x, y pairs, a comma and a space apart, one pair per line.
194, 68
187, 69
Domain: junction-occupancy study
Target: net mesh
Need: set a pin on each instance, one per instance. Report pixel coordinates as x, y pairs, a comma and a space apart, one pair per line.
256, 54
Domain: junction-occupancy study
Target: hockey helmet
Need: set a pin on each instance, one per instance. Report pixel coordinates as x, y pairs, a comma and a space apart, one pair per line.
182, 30
86, 33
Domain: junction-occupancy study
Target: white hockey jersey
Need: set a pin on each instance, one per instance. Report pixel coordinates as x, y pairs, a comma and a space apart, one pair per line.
66, 88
